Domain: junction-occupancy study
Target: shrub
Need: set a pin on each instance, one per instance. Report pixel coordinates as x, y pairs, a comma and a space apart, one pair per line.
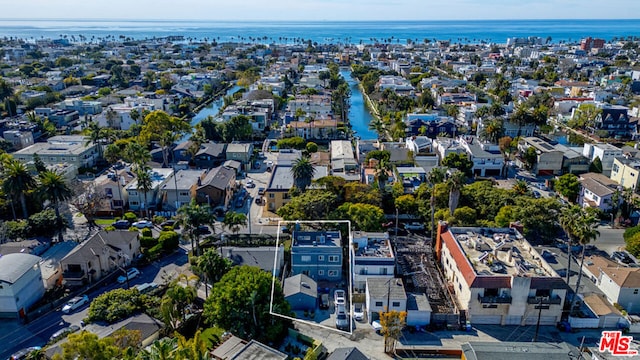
16, 229
148, 241
110, 228
130, 216
119, 304
312, 147
154, 252
159, 219
169, 240
146, 232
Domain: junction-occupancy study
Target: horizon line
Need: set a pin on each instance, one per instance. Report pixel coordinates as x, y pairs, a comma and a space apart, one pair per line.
313, 21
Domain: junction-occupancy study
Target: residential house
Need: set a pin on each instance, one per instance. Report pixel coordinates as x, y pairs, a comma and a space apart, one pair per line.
59, 117
605, 152
317, 255
210, 155
317, 106
418, 309
498, 277
411, 177
626, 172
343, 160
614, 121
608, 315
315, 129
620, 284
445, 146
83, 107
419, 144
441, 126
351, 353
572, 160
384, 295
181, 187
549, 160
71, 149
21, 284
19, 139
112, 189
240, 152
301, 292
234, 348
123, 119
217, 187
372, 257
261, 256
397, 84
141, 200
103, 253
597, 191
486, 157
479, 350
281, 181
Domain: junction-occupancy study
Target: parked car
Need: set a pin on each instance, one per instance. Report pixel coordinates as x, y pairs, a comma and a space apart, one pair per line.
258, 200
339, 297
250, 184
23, 353
324, 301
285, 230
622, 257
172, 223
75, 303
377, 327
358, 312
203, 230
414, 226
131, 273
146, 287
121, 224
62, 333
536, 194
261, 191
342, 322
143, 224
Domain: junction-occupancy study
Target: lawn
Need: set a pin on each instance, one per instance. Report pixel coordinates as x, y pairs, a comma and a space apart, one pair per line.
104, 221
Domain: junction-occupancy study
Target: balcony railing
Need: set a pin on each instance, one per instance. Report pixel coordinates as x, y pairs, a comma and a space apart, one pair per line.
546, 300
74, 275
494, 299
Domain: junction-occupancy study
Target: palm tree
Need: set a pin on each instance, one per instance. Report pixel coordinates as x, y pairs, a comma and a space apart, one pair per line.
162, 349
492, 130
520, 187
145, 184
585, 233
436, 176
382, 172
233, 221
377, 125
455, 183
569, 218
302, 171
94, 135
192, 217
17, 182
53, 187
136, 154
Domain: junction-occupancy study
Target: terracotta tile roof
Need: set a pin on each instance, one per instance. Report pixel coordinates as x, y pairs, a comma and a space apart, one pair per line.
460, 259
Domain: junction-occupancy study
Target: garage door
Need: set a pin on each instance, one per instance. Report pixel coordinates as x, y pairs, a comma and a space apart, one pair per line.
486, 319
610, 322
544, 320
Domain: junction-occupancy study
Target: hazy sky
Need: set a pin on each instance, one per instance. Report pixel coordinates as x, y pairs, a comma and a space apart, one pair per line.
320, 9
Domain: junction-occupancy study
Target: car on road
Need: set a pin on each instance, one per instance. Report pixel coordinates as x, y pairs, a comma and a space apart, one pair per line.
358, 312
536, 194
171, 223
203, 230
261, 191
131, 273
62, 333
143, 224
23, 353
622, 257
342, 322
339, 297
121, 224
414, 226
324, 301
75, 303
377, 327
250, 184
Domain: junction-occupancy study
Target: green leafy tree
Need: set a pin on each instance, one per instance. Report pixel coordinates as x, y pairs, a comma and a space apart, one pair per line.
39, 164
392, 323
310, 205
212, 265
295, 142
159, 126
18, 181
240, 304
584, 116
465, 216
174, 303
86, 345
365, 217
520, 187
119, 304
302, 172
406, 204
458, 161
596, 166
568, 186
236, 129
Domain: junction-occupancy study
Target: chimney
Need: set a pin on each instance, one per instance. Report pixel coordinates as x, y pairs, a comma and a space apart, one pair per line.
442, 228
199, 181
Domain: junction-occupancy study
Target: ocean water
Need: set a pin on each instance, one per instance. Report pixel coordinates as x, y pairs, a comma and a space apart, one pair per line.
472, 31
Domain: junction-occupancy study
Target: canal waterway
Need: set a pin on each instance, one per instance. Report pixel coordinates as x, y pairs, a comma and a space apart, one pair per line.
211, 109
359, 115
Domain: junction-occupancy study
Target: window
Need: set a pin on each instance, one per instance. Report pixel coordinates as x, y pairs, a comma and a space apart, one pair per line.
395, 304
378, 303
383, 271
320, 257
272, 196
333, 273
635, 292
305, 258
334, 258
133, 192
134, 203
184, 193
321, 272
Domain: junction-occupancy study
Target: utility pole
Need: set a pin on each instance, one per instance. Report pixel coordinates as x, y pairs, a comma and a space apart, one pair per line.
539, 307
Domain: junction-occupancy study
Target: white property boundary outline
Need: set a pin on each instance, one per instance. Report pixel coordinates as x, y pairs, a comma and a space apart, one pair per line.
275, 264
